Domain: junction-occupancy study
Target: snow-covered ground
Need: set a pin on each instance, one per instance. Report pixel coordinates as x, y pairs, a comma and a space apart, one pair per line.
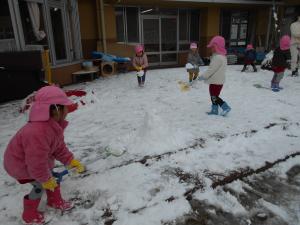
164, 133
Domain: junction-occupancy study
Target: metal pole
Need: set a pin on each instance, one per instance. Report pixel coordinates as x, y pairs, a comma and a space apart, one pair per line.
268, 30
103, 26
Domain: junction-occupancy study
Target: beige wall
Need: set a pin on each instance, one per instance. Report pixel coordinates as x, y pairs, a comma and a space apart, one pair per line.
88, 26
209, 23
209, 27
110, 22
63, 75
262, 25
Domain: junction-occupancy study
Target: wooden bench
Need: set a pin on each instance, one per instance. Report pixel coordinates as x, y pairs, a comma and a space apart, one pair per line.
92, 74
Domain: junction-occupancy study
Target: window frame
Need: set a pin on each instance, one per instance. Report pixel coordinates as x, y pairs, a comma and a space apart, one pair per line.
71, 28
179, 42
125, 25
60, 5
189, 29
239, 24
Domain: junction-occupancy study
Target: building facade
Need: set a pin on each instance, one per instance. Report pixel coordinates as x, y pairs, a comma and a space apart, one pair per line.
43, 24
72, 29
167, 27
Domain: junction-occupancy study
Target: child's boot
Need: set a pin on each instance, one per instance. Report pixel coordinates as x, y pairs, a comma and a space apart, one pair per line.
244, 68
254, 68
214, 110
54, 200
31, 215
226, 109
279, 87
295, 73
275, 87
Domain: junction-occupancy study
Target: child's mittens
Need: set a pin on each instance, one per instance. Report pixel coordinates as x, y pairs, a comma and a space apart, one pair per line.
76, 164
139, 68
51, 184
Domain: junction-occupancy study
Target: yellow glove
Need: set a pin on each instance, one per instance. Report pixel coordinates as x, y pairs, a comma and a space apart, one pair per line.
76, 164
139, 68
51, 184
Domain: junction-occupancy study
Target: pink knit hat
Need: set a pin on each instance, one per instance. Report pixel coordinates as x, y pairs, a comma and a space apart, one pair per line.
45, 97
138, 48
249, 47
285, 42
219, 43
193, 45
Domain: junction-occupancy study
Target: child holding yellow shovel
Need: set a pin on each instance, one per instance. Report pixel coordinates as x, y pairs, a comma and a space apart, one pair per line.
193, 62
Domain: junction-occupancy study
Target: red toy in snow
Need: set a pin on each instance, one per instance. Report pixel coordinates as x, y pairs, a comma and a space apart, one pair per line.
77, 93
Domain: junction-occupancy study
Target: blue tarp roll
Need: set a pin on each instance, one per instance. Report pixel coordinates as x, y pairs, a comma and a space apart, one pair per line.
109, 58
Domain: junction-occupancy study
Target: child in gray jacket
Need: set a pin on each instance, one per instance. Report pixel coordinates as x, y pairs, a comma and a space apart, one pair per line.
193, 62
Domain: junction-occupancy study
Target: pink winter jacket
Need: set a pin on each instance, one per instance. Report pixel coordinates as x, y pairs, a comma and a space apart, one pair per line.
140, 61
32, 151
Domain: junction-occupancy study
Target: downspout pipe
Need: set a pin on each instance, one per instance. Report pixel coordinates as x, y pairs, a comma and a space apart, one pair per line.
99, 29
267, 43
103, 25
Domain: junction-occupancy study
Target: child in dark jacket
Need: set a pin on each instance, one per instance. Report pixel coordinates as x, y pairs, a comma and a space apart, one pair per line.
250, 56
280, 61
193, 62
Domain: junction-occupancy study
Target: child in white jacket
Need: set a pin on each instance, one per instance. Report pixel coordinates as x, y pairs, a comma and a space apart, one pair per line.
215, 75
295, 46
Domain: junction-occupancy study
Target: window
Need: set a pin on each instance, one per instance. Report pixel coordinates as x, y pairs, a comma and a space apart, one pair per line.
183, 25
239, 29
189, 27
127, 24
194, 25
119, 11
33, 23
6, 29
132, 19
58, 33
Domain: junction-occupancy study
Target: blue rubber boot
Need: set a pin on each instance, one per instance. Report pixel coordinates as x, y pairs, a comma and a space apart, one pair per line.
280, 88
214, 110
275, 87
226, 109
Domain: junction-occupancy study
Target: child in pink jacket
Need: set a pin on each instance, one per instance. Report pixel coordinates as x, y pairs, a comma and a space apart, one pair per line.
140, 63
30, 154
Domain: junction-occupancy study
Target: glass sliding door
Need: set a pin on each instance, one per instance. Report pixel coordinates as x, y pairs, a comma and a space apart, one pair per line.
159, 35
33, 26
59, 38
151, 39
168, 40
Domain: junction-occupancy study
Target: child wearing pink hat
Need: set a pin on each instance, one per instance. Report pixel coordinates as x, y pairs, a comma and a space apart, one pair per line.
193, 62
30, 154
215, 75
250, 57
140, 63
281, 61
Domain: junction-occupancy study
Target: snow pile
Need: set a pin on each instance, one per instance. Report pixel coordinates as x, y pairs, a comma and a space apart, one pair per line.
155, 136
135, 122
